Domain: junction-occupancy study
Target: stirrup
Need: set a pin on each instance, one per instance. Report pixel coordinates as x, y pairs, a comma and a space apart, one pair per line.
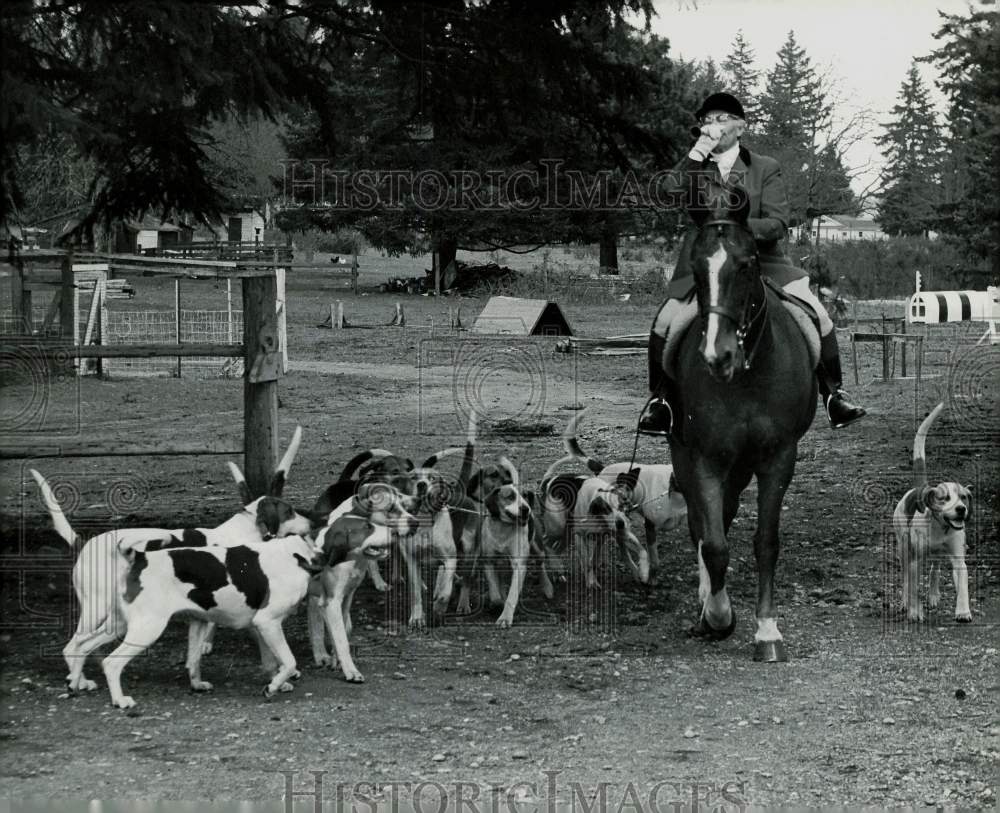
650, 425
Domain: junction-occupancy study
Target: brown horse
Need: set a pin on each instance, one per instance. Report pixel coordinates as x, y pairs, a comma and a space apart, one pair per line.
748, 395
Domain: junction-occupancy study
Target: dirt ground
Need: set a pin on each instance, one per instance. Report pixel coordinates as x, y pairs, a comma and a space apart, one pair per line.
869, 710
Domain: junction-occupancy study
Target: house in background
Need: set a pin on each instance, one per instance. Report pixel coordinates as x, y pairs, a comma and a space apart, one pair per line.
835, 228
243, 224
149, 235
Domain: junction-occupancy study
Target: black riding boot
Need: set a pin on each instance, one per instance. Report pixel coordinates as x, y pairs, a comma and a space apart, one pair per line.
839, 410
658, 416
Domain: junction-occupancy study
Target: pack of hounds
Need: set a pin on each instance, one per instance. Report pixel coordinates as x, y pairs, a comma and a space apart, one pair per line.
255, 569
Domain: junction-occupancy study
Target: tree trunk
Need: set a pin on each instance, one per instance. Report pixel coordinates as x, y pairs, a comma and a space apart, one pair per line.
609, 250
444, 255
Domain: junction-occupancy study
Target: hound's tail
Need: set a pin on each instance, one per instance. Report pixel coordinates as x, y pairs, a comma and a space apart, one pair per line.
241, 483
550, 472
573, 448
62, 525
278, 479
361, 458
919, 458
468, 462
437, 457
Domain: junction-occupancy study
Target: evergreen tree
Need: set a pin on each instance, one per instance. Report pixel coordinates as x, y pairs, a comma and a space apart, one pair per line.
796, 129
911, 179
969, 63
135, 88
742, 77
570, 82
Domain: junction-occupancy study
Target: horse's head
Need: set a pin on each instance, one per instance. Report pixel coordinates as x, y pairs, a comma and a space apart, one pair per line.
727, 279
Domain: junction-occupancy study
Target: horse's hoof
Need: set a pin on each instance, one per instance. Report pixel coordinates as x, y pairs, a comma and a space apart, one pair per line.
708, 633
770, 652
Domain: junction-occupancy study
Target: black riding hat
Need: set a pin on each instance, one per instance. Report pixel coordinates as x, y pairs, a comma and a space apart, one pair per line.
721, 101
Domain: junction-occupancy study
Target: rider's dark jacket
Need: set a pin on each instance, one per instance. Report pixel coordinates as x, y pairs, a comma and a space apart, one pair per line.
760, 176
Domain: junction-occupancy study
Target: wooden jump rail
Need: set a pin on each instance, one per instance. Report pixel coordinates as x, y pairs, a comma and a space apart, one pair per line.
260, 348
889, 342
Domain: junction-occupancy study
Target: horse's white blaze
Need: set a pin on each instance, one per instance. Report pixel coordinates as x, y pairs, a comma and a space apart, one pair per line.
715, 263
767, 630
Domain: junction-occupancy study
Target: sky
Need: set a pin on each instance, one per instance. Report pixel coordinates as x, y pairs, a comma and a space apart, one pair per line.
868, 45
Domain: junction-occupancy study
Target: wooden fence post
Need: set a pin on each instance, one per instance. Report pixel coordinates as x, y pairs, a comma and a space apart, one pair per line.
262, 367
17, 291
354, 273
177, 320
67, 306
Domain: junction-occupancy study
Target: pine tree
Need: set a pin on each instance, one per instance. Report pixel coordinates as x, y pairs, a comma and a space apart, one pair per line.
742, 78
969, 61
911, 178
571, 81
708, 79
795, 122
135, 89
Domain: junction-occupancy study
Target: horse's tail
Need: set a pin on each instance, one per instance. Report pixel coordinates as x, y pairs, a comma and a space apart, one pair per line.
919, 457
573, 448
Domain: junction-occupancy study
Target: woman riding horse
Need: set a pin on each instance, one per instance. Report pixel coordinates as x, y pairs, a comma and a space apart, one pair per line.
719, 162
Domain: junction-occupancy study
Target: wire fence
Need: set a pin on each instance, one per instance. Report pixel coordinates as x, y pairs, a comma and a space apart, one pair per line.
160, 327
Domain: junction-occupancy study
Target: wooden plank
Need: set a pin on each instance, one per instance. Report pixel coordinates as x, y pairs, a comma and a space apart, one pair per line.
262, 366
266, 270
164, 262
41, 446
54, 349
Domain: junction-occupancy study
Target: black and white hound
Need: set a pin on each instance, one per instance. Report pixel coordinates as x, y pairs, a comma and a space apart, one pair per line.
930, 521
649, 488
580, 512
103, 563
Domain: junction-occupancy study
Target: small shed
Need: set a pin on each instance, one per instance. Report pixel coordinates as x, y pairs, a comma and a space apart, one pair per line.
243, 224
522, 317
150, 235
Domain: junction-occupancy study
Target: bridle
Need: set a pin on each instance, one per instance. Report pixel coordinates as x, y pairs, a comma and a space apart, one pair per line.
744, 321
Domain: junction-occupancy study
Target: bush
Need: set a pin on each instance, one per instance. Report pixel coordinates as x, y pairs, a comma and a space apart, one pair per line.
342, 241
876, 269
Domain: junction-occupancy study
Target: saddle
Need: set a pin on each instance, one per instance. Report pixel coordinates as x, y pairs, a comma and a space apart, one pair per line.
685, 311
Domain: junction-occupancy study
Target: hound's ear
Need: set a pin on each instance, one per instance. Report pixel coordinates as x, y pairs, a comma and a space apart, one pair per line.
336, 546
493, 503
966, 494
268, 517
600, 507
628, 479
474, 484
924, 497
409, 464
